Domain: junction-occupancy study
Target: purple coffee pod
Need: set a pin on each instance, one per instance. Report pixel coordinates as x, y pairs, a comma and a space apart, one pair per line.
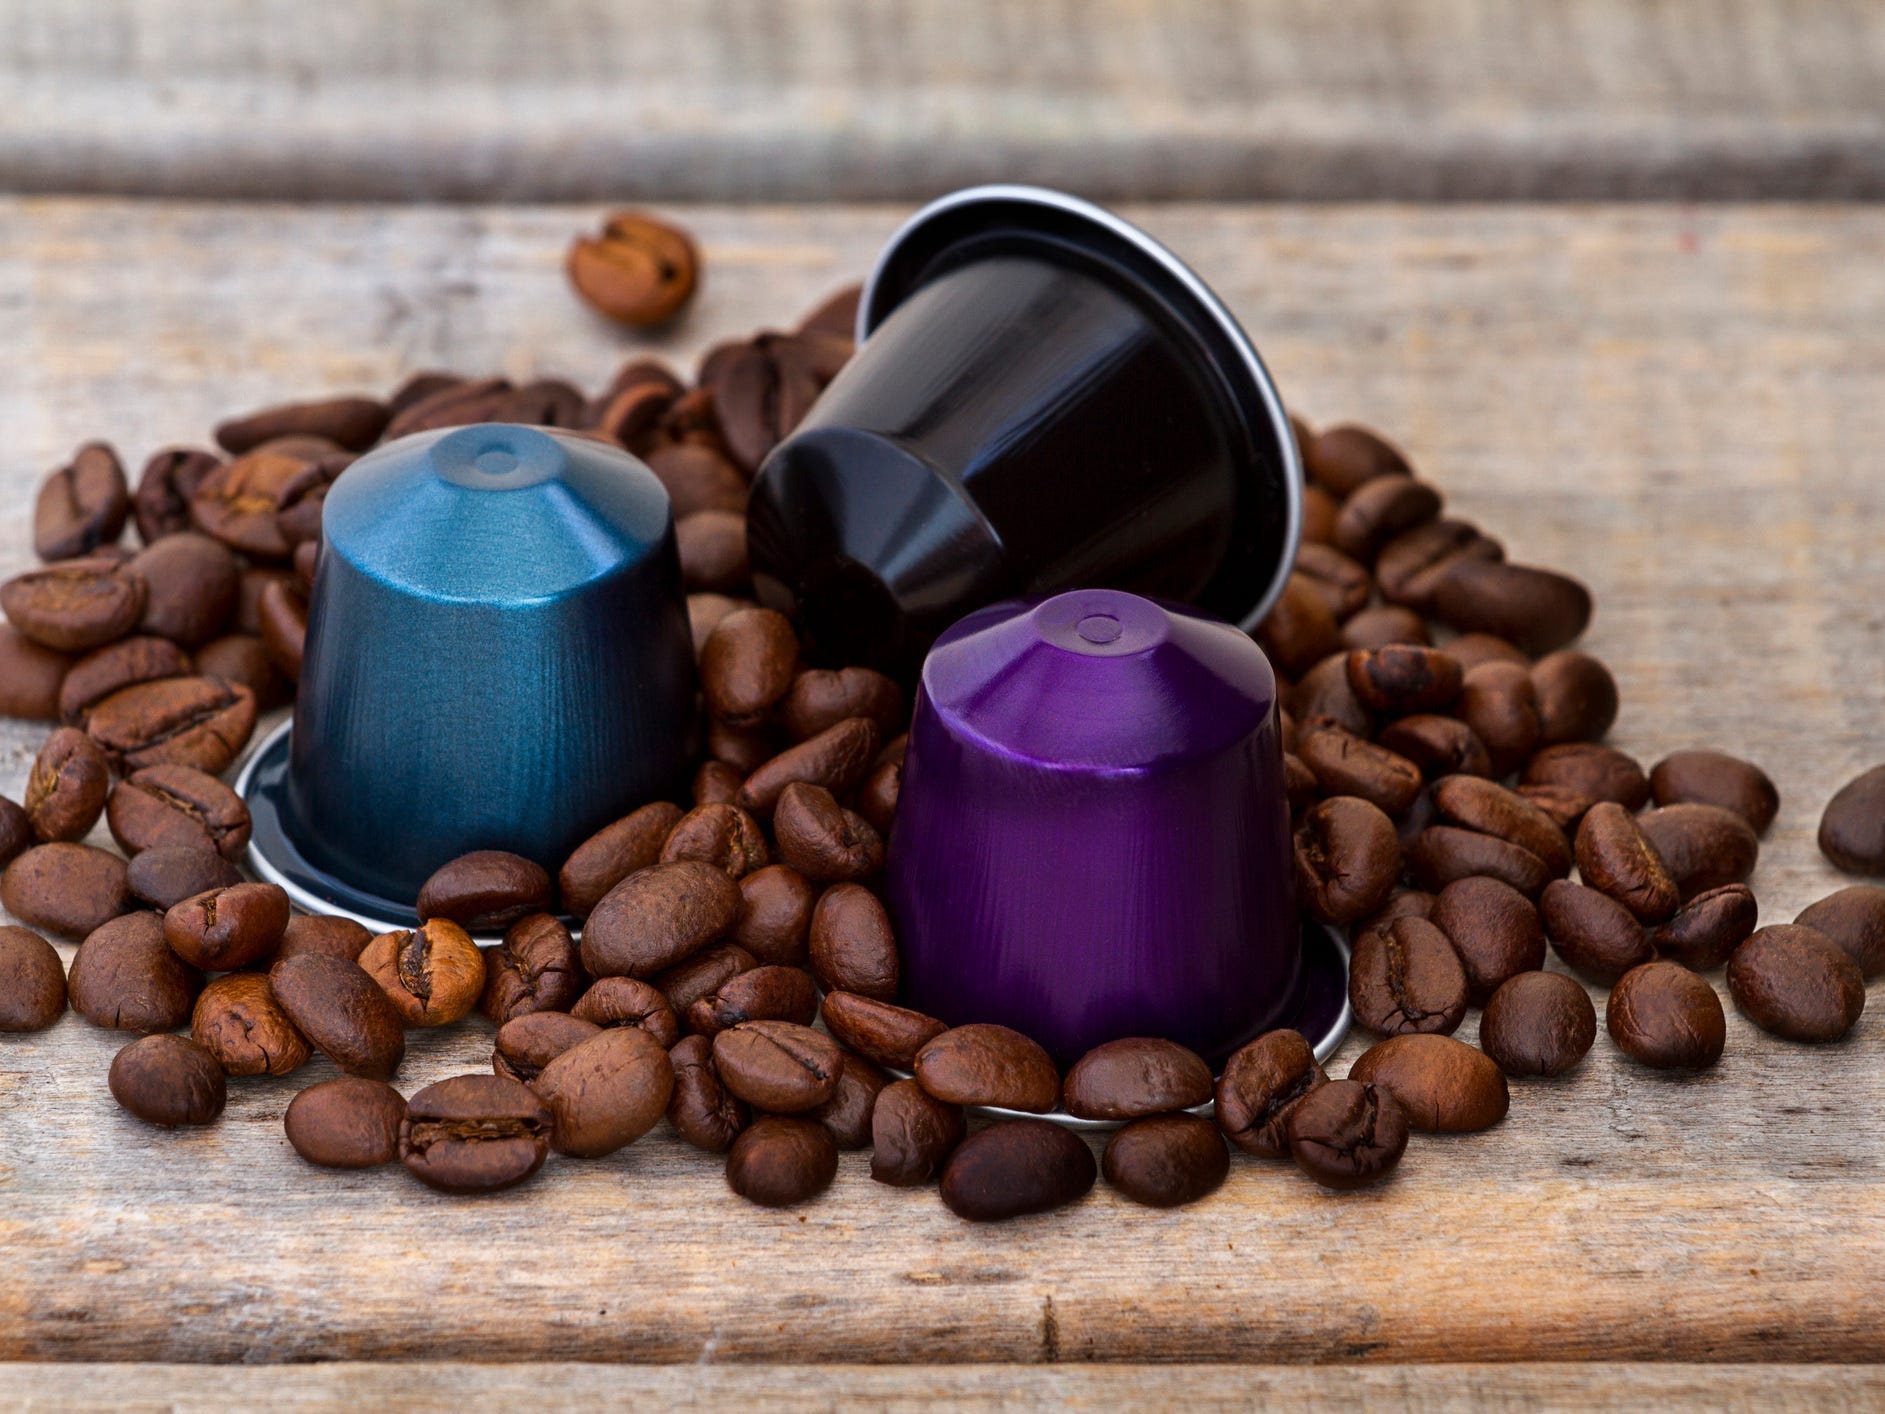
1092, 839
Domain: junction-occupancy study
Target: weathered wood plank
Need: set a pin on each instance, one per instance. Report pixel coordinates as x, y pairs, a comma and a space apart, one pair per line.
829, 100
1680, 405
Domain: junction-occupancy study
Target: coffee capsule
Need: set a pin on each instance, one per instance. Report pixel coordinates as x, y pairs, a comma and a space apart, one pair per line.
1044, 397
498, 657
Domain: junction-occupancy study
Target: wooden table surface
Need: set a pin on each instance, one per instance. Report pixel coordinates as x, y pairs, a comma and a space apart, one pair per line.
1681, 405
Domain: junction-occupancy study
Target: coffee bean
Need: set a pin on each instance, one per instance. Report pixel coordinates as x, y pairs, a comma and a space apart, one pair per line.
1444, 1085
458, 403
712, 547
200, 722
82, 505
114, 667
1319, 510
640, 271
1495, 930
1439, 746
125, 976
721, 835
1380, 510
353, 423
1707, 929
703, 1112
613, 853
167, 875
30, 677
486, 890
1443, 854
1499, 702
168, 1081
65, 791
313, 933
1538, 1023
1600, 772
1473, 803
1407, 977
889, 1035
761, 390
1402, 903
822, 698
1702, 846
744, 749
769, 993
701, 975
1300, 630
704, 612
1347, 1135
847, 1114
433, 974
778, 1066
176, 807
1797, 983
191, 588
1854, 918
748, 664
837, 759
1412, 564
823, 841
778, 1163
161, 504
474, 1134
526, 1044
1716, 778
1617, 858
536, 968
1300, 786
776, 914
1403, 679
75, 604
1347, 859
1344, 585
1139, 1076
606, 1092
1346, 458
238, 1021
1322, 697
852, 947
1167, 1161
1577, 697
32, 981
697, 478
985, 1064
65, 889
716, 783
346, 1123
1382, 626
342, 1011
1852, 829
1469, 650
224, 929
240, 658
1594, 933
1346, 765
1665, 1016
16, 831
1566, 807
658, 917
912, 1134
255, 582
1018, 1167
1261, 1084
1536, 610
283, 615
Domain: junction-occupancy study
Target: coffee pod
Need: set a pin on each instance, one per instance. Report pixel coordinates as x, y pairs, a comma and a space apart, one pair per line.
497, 657
1092, 839
1044, 397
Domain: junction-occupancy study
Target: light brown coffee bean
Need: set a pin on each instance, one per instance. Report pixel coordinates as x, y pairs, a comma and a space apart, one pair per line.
238, 1021
66, 788
433, 974
823, 841
1474, 803
778, 1066
851, 945
225, 929
1323, 697
239, 503
82, 506
536, 968
1300, 630
161, 504
1444, 1085
177, 807
526, 1044
748, 664
32, 982
283, 615
75, 604
346, 1123
639, 271
200, 722
106, 670
1382, 626
888, 1035
342, 1011
1403, 679
1538, 1023
192, 583
985, 1064
1472, 649
606, 1092
724, 836
351, 422
1344, 584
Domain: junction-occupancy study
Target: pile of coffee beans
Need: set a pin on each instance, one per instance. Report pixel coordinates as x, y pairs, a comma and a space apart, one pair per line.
737, 972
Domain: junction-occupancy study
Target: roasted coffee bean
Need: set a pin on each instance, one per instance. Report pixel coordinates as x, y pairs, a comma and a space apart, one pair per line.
1665, 1016
474, 1134
1797, 983
1536, 610
1404, 678
1347, 1135
1538, 1023
697, 478
65, 889
1323, 698
346, 1123
526, 1044
1300, 786
821, 698
762, 390
486, 890
1442, 854
745, 749
877, 797
1382, 626
779, 1163
1702, 846
1300, 630
985, 1064
1577, 697
640, 271
169, 1081
177, 807
114, 667
65, 791
1406, 977
912, 1134
191, 588
704, 612
1402, 903
1469, 650
433, 974
200, 722
75, 604
283, 615
417, 387
852, 947
1018, 1167
161, 504
847, 1114
1344, 585
822, 840
778, 1066
1346, 765
1499, 702
1565, 806
342, 1011
606, 1092
536, 968
458, 403
775, 919
1138, 1076
1261, 1084
1716, 778
716, 783
1616, 857
836, 315
614, 852
889, 1035
712, 546
315, 933
353, 423
748, 664
224, 929
1347, 859
1167, 1161
1440, 746
239, 502
1494, 929
1473, 803
1708, 928
1852, 829
82, 505
125, 976
241, 658
769, 993
1854, 918
1594, 933
701, 975
1319, 510
238, 1021
837, 759
1380, 510
1411, 565
658, 917
167, 875
1346, 458
255, 582
1600, 772
1444, 1085
724, 836
32, 981
703, 1112
30, 677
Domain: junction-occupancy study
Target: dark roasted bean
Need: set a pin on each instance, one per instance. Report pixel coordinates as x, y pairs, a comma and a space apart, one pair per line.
1474, 803
1261, 1084
474, 1134
1498, 701
200, 722
748, 664
1716, 778
1166, 1161
177, 807
1538, 1023
1594, 934
1440, 746
1854, 918
724, 836
526, 1044
779, 1163
1380, 510
1617, 858
1343, 584
606, 1092
889, 1035
1852, 829
1441, 854
847, 1114
488, 889
1347, 1135
837, 759
65, 790
1600, 772
770, 993
1444, 1085
346, 1123
65, 889
1021, 1166
1537, 610
1708, 928
1702, 846
32, 981
1347, 859
119, 665
912, 1133
82, 505
1665, 1016
1345, 458
1494, 929
1407, 977
342, 1012
851, 945
1138, 1076
224, 929
658, 917
822, 840
169, 1081
613, 853
1411, 565
775, 920
1300, 630
985, 1064
166, 875
1796, 982
624, 1001
75, 604
161, 505
31, 677
1577, 697
1346, 765
353, 423
1403, 679
536, 968
820, 698
191, 584
125, 976
701, 1109
778, 1066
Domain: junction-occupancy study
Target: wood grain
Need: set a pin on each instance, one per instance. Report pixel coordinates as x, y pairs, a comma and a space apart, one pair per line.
1678, 404
827, 100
